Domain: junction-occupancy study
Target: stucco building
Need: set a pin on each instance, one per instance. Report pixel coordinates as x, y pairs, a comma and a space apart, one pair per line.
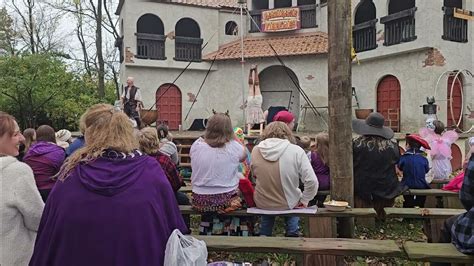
403, 48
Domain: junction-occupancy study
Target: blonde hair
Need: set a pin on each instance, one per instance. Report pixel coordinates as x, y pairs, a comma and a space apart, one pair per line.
30, 137
322, 146
278, 130
105, 128
305, 143
148, 140
219, 130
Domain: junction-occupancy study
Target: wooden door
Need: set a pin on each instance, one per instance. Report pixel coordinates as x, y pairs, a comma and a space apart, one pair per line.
456, 101
388, 101
168, 104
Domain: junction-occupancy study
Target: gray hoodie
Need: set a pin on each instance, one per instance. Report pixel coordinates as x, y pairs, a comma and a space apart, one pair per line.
278, 167
21, 207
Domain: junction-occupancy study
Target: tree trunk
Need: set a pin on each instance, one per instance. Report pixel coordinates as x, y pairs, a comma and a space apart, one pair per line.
340, 108
31, 25
100, 56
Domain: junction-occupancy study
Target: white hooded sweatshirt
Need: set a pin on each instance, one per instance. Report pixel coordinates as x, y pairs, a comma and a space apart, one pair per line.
278, 167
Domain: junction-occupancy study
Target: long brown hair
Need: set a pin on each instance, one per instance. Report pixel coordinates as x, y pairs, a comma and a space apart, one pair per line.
148, 140
278, 130
105, 128
322, 146
219, 130
30, 137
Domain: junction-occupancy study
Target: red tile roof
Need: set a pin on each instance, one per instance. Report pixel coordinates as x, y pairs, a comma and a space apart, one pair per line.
287, 45
209, 3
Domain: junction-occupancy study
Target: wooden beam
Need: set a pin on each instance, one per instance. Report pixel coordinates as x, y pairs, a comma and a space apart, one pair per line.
320, 246
322, 212
425, 213
436, 252
340, 107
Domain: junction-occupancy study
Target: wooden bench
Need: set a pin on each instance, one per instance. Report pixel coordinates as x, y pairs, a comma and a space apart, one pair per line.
330, 250
434, 218
450, 199
436, 252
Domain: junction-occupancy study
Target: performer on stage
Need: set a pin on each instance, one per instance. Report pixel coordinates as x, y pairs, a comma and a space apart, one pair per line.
254, 113
132, 101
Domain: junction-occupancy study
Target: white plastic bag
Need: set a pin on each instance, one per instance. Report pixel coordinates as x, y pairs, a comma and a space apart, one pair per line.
182, 250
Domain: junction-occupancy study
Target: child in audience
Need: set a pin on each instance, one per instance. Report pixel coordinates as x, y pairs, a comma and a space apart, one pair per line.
167, 145
440, 144
305, 144
414, 167
245, 185
320, 163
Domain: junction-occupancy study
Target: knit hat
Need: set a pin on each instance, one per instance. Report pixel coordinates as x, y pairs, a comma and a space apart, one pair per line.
63, 135
284, 116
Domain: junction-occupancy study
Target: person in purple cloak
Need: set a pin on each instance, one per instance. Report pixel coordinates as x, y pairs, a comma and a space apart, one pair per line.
111, 205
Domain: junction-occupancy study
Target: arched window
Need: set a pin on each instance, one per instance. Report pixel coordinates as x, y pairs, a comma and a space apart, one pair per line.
454, 29
231, 28
365, 11
187, 27
364, 31
399, 26
306, 2
150, 24
259, 4
396, 6
150, 38
282, 3
188, 41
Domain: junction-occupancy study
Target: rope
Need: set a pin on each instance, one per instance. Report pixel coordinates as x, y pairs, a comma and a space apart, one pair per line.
202, 84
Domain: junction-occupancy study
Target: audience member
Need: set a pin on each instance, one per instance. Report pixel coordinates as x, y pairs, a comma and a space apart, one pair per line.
375, 156
112, 205
20, 202
278, 166
45, 158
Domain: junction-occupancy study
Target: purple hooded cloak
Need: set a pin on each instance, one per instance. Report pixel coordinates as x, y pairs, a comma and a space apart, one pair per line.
112, 211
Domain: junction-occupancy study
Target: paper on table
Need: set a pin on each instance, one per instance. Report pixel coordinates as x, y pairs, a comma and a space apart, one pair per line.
309, 210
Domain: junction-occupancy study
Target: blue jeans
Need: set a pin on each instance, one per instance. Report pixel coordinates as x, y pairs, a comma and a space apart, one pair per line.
291, 228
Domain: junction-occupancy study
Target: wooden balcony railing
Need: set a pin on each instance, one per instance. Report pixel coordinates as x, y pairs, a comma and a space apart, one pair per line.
150, 46
399, 27
364, 36
188, 49
454, 29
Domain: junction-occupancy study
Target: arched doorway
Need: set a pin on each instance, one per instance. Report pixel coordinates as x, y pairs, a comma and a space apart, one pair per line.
168, 104
278, 89
388, 101
456, 100
456, 161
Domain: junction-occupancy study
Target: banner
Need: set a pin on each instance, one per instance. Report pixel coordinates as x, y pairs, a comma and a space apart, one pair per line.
283, 19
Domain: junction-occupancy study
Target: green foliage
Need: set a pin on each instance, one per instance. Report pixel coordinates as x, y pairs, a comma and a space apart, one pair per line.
7, 33
39, 89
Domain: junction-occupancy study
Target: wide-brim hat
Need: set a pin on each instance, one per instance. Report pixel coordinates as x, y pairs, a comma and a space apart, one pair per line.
420, 140
373, 125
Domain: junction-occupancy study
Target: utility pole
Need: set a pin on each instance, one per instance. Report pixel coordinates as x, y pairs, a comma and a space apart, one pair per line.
340, 108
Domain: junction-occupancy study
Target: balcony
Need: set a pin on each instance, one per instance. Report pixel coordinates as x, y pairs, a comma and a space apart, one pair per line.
307, 13
188, 49
150, 46
454, 29
364, 36
399, 27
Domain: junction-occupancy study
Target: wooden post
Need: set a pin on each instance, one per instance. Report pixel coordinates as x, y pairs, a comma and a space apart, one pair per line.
340, 108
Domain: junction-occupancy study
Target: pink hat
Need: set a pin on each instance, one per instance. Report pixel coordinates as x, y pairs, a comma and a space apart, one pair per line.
284, 116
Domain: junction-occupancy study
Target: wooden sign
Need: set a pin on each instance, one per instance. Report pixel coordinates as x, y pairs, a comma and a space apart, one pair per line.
282, 19
463, 14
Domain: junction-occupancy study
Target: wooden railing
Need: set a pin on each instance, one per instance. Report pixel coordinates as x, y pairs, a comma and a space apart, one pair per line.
308, 18
454, 29
188, 49
364, 36
399, 27
150, 46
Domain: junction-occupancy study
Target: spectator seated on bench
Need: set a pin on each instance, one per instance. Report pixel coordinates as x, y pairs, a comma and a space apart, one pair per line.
375, 156
278, 166
459, 229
